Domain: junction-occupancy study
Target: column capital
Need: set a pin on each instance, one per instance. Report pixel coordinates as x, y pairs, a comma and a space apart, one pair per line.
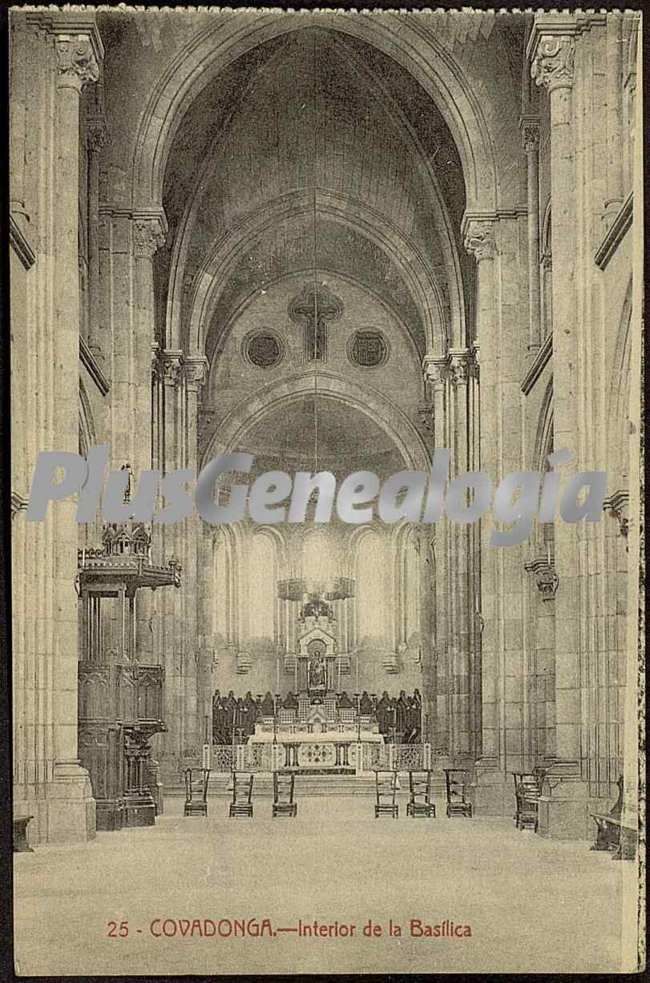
149, 232
76, 60
462, 366
478, 236
552, 59
529, 128
435, 369
170, 366
96, 133
195, 368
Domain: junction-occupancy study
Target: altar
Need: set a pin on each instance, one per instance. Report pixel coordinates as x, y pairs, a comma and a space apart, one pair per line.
317, 727
329, 752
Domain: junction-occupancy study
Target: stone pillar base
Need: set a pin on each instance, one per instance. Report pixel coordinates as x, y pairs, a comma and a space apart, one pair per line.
491, 793
71, 806
563, 807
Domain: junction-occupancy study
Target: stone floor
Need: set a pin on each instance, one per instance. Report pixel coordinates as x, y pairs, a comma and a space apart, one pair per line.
532, 904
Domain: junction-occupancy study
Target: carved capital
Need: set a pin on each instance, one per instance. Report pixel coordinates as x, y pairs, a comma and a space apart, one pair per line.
149, 234
436, 371
546, 578
95, 134
529, 127
170, 367
76, 61
462, 367
617, 506
195, 368
479, 239
552, 65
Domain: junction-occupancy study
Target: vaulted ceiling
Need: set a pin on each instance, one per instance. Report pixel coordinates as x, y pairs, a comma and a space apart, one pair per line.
313, 148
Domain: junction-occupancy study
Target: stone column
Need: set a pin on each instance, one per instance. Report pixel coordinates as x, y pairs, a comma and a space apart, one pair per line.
195, 701
479, 236
149, 232
435, 371
462, 603
551, 51
530, 139
78, 55
475, 622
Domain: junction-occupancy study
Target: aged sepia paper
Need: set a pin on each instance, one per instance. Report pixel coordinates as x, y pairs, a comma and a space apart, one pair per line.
327, 627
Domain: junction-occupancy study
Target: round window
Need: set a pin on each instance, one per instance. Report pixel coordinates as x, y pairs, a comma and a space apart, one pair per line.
263, 349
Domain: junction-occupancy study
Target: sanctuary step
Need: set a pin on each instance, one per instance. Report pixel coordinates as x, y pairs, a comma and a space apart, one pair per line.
220, 786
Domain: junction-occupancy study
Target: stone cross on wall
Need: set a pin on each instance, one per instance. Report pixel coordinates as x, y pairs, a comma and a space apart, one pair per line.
314, 307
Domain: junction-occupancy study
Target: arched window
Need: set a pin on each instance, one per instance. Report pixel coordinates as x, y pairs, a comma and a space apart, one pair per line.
371, 585
411, 586
262, 587
224, 576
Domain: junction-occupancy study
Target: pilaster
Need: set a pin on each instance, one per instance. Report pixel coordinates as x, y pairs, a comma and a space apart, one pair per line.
551, 50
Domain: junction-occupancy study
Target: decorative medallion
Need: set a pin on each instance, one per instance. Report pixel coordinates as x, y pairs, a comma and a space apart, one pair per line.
263, 349
368, 348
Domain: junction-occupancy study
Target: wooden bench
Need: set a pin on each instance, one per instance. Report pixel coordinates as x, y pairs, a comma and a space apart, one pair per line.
611, 833
20, 834
420, 804
528, 788
283, 791
386, 792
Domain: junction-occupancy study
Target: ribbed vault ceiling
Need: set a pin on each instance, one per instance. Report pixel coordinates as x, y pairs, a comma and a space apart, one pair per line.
311, 110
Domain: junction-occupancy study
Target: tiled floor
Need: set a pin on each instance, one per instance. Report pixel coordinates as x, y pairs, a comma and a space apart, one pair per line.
533, 905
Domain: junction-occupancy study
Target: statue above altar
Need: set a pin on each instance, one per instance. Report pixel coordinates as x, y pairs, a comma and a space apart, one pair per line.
316, 670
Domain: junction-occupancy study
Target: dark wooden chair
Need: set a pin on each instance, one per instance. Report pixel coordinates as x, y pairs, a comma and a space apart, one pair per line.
242, 794
420, 804
455, 782
283, 791
528, 788
386, 793
196, 791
